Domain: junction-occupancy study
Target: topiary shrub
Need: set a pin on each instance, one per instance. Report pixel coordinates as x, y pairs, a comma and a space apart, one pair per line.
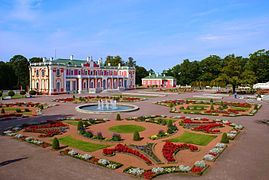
170, 123
55, 144
18, 110
80, 126
32, 92
161, 133
3, 111
11, 93
27, 110
136, 136
224, 138
22, 92
99, 136
118, 117
116, 137
212, 107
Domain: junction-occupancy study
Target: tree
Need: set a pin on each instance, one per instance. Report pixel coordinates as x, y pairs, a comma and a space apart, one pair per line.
20, 65
55, 144
80, 126
141, 72
131, 62
151, 71
224, 138
11, 93
8, 79
248, 77
114, 61
118, 117
231, 71
36, 60
136, 136
210, 68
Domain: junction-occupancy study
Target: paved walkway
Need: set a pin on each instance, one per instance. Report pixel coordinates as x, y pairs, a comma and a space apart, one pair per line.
248, 158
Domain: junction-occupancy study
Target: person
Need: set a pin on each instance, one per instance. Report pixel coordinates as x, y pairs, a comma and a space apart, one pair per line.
235, 95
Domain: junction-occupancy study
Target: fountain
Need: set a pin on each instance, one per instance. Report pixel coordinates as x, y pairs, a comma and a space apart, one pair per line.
106, 106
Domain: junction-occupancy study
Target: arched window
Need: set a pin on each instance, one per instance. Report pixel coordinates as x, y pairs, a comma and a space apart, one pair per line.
43, 72
58, 72
37, 73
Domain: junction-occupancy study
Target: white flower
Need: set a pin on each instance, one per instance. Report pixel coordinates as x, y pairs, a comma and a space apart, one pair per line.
72, 152
103, 161
18, 136
112, 166
7, 132
135, 171
157, 170
220, 145
209, 157
183, 168
86, 156
216, 150
200, 164
29, 139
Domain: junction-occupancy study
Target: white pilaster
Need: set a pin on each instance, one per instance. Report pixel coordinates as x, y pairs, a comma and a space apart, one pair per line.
79, 84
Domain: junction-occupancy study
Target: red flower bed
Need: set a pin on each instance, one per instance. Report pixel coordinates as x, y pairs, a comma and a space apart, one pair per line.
208, 128
125, 149
169, 149
196, 169
50, 125
148, 175
47, 130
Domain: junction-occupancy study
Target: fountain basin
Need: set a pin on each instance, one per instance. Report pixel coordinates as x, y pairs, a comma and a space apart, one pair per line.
93, 108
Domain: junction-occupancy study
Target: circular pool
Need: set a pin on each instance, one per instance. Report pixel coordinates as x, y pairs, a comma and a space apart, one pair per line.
95, 109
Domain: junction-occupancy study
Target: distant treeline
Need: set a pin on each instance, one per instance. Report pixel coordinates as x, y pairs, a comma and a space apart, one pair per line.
217, 71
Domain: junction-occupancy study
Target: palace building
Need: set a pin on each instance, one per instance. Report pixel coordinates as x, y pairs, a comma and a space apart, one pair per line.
159, 81
61, 76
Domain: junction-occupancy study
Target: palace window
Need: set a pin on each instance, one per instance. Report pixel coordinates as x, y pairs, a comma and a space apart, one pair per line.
37, 73
58, 72
43, 72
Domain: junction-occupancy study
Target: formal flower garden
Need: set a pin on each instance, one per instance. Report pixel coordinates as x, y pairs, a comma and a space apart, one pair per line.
211, 107
21, 109
144, 146
93, 99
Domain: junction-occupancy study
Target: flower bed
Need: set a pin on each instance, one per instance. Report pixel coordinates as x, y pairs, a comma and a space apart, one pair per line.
148, 150
214, 153
170, 149
92, 159
125, 149
48, 130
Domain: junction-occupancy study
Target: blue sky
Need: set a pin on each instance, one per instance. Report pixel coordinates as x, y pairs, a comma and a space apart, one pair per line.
158, 34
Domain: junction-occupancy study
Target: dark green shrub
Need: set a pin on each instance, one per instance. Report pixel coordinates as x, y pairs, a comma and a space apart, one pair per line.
3, 111
40, 106
1, 93
55, 143
116, 137
224, 138
80, 126
211, 101
99, 136
188, 108
18, 110
74, 97
11, 93
170, 123
118, 117
161, 133
164, 122
22, 92
87, 134
212, 106
27, 110
136, 136
171, 129
32, 92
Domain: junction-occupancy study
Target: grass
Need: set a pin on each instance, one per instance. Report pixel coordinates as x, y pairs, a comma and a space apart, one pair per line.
74, 123
135, 96
16, 96
202, 99
240, 108
126, 128
194, 138
81, 145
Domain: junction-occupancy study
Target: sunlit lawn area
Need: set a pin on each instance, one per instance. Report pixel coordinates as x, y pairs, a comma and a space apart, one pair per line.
194, 138
82, 145
126, 128
74, 123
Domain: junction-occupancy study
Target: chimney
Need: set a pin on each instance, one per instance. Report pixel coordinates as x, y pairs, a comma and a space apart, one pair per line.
71, 57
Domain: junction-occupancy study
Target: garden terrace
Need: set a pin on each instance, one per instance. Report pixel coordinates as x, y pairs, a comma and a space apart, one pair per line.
211, 107
189, 152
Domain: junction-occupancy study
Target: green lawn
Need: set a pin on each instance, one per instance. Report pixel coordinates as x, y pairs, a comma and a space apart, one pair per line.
135, 96
194, 138
126, 128
240, 108
16, 96
202, 99
82, 145
74, 123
